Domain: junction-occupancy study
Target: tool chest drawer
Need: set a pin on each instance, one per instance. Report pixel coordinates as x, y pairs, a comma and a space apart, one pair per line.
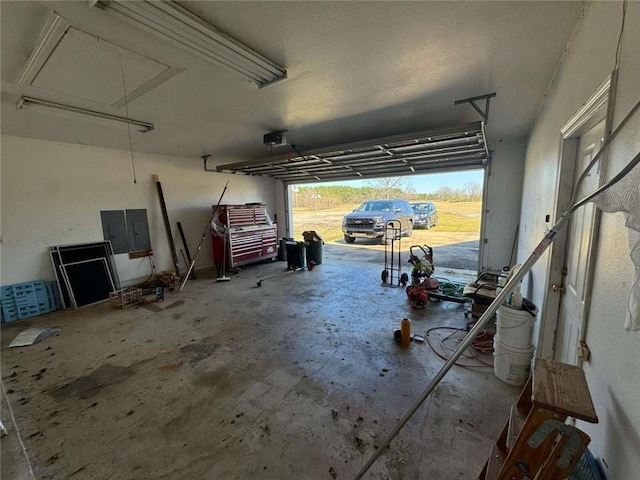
233, 216
252, 245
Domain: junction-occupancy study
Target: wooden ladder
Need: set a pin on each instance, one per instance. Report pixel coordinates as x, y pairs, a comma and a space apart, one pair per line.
536, 442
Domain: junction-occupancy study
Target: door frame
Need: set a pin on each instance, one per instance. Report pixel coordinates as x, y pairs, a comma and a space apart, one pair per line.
596, 108
483, 214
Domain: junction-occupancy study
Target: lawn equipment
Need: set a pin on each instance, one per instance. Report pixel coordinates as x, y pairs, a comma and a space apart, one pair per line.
393, 233
424, 287
422, 267
421, 280
418, 296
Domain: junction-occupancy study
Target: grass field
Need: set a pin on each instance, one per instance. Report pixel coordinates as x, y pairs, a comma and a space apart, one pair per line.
456, 219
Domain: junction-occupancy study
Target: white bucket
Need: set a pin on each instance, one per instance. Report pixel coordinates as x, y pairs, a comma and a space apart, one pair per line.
511, 365
514, 328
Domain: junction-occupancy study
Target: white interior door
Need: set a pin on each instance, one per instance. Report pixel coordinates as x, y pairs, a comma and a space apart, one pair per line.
577, 282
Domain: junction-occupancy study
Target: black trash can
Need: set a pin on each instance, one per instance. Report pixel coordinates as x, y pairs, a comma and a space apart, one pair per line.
314, 249
314, 252
282, 248
296, 255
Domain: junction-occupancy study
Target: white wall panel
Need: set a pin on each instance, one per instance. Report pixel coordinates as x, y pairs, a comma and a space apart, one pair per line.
502, 204
52, 194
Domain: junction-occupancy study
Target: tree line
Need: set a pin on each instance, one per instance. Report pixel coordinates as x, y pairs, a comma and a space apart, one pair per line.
327, 197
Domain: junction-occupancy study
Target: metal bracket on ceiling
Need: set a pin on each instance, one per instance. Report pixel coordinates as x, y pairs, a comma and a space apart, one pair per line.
204, 160
472, 100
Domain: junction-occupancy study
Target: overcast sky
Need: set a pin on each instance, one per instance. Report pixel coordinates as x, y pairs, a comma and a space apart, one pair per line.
423, 183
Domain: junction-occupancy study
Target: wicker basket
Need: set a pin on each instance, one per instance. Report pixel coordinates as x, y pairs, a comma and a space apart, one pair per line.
127, 297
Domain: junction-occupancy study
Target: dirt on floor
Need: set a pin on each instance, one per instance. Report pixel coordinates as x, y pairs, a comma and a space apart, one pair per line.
299, 378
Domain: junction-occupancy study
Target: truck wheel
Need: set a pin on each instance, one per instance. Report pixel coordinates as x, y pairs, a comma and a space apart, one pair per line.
349, 239
428, 224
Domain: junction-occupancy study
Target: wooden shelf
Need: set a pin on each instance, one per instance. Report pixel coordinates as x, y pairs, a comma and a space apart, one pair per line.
562, 388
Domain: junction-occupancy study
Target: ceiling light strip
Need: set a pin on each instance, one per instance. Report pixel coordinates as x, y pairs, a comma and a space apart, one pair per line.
190, 40
218, 36
206, 45
31, 102
183, 28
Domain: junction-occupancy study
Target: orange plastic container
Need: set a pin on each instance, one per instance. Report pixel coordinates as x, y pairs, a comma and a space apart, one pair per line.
405, 332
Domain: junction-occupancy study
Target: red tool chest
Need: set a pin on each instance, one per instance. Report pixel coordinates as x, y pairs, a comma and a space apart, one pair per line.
250, 235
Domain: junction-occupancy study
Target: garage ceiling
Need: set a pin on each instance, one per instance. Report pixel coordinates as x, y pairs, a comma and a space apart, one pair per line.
355, 71
85, 66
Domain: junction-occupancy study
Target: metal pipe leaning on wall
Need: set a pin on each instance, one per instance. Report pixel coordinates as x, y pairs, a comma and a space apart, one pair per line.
167, 225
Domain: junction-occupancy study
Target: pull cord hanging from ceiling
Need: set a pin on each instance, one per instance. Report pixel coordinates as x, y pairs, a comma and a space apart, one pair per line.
126, 107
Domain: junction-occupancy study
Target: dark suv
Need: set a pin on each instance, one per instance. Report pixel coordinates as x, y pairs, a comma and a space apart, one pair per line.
426, 214
369, 219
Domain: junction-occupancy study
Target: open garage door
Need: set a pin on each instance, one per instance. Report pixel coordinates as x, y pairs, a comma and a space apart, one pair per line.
458, 148
454, 149
446, 217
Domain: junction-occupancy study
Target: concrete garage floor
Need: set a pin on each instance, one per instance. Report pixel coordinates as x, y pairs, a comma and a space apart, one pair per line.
231, 381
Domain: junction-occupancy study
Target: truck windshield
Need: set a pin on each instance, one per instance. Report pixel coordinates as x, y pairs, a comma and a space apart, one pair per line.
420, 206
374, 206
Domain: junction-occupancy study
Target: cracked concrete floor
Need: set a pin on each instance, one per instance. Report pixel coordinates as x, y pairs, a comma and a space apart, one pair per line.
297, 379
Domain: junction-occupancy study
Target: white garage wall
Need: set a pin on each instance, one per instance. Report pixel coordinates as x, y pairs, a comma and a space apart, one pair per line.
52, 194
613, 372
502, 203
